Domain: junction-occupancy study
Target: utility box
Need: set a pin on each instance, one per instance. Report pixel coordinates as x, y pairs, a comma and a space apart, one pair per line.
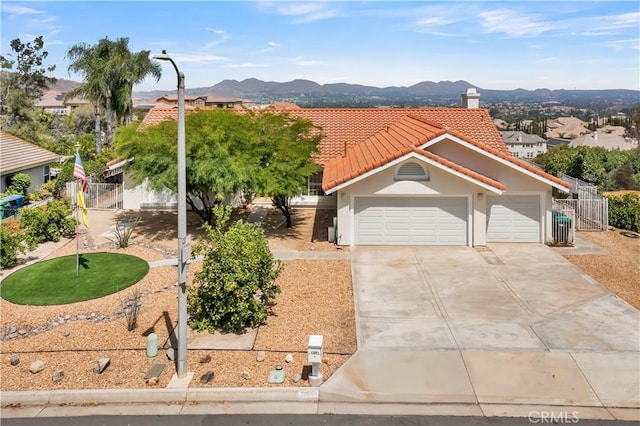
314, 348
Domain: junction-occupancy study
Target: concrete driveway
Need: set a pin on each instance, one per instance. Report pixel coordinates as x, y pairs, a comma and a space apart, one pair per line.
486, 332
511, 296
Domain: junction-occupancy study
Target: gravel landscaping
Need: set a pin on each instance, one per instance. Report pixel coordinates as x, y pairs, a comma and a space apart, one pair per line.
316, 298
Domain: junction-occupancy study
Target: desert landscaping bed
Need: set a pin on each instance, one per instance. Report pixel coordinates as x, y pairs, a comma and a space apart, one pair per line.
316, 298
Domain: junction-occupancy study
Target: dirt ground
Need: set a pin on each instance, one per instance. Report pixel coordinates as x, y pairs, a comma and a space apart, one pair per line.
619, 269
317, 289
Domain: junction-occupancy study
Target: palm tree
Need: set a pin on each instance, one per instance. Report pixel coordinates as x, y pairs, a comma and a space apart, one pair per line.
110, 71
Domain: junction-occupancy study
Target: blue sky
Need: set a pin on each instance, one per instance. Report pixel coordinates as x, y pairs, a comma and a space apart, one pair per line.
492, 44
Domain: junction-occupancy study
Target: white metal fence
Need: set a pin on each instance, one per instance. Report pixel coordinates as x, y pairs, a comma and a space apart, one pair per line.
101, 196
590, 214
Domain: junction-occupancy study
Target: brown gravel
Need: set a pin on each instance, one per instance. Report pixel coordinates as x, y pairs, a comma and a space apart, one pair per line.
619, 269
318, 290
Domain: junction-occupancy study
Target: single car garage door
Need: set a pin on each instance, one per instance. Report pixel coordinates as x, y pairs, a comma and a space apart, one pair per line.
410, 221
513, 219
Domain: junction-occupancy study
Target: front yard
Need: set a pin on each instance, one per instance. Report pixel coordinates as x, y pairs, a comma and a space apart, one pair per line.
316, 298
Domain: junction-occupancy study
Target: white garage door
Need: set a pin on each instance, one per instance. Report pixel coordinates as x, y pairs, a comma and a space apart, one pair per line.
513, 219
410, 221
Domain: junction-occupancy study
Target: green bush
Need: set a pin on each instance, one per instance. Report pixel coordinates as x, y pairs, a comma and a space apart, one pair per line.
624, 212
20, 183
11, 243
47, 223
236, 287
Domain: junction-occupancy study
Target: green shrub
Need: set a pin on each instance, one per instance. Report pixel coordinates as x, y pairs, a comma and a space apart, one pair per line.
624, 212
47, 223
11, 243
20, 183
236, 287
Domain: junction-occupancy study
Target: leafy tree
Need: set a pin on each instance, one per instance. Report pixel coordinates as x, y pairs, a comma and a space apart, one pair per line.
22, 82
624, 212
19, 184
236, 286
286, 147
110, 71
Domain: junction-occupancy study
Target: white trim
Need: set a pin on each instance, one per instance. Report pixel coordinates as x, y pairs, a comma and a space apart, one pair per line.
495, 158
420, 157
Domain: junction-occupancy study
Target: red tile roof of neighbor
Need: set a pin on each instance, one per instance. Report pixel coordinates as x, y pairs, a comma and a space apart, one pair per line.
403, 137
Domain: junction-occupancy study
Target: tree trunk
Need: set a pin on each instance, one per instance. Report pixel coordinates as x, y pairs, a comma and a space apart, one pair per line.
283, 203
109, 113
97, 129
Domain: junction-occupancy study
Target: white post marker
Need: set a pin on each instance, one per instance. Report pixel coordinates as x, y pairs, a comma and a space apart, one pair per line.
314, 352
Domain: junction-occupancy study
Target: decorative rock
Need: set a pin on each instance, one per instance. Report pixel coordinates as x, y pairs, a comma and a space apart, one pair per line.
22, 332
13, 329
171, 354
67, 317
101, 365
260, 356
54, 324
296, 378
13, 335
36, 366
205, 359
246, 375
276, 376
15, 360
153, 381
288, 358
57, 375
67, 333
82, 317
206, 377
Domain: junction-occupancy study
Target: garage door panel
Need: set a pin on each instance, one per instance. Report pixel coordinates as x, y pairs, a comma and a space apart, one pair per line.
411, 221
513, 219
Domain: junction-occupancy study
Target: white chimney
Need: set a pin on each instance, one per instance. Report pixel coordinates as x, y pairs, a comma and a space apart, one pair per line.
471, 99
519, 136
595, 135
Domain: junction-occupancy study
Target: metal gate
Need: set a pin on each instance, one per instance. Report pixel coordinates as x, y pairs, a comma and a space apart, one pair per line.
101, 196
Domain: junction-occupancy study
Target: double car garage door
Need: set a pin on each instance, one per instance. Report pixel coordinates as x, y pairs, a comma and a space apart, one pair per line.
443, 221
410, 221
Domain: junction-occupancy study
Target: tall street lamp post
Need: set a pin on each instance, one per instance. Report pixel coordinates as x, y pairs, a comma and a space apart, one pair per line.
183, 242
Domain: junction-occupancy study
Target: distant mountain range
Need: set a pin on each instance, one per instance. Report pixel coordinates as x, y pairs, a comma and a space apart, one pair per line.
308, 93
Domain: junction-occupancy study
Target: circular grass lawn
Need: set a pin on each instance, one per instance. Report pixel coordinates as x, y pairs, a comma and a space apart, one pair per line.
54, 282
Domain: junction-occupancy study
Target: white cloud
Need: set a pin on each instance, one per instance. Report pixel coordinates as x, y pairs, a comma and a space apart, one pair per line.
513, 24
301, 61
19, 10
198, 58
247, 65
624, 44
303, 12
219, 32
273, 44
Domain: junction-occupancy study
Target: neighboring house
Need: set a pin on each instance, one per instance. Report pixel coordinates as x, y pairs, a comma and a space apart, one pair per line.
54, 103
566, 127
605, 140
202, 101
524, 145
20, 156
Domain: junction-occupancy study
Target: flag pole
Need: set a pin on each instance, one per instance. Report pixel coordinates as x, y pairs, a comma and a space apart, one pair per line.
77, 221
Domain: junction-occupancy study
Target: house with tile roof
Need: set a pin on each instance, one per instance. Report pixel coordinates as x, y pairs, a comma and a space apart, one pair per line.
201, 101
609, 141
426, 176
20, 156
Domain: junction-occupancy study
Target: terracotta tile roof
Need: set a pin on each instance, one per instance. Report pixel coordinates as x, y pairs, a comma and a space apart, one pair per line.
160, 113
345, 127
17, 154
402, 137
396, 140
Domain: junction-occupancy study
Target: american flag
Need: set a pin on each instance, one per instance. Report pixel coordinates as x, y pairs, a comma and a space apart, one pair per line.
78, 171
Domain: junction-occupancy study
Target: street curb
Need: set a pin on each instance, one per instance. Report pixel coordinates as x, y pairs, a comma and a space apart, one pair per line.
137, 396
